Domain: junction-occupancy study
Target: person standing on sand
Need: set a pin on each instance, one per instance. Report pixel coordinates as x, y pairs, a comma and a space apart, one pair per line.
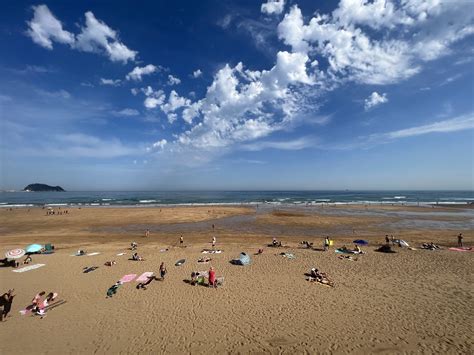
460, 238
163, 271
212, 277
387, 240
326, 244
6, 301
181, 240
147, 233
214, 240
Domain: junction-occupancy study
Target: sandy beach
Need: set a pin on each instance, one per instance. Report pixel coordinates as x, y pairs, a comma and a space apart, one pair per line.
411, 301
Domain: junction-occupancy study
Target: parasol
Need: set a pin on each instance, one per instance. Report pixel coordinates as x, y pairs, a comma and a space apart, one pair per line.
14, 253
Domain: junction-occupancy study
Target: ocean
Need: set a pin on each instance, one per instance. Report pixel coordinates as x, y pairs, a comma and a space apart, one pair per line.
161, 198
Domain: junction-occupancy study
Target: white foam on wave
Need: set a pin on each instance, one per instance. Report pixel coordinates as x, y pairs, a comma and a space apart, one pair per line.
56, 204
107, 199
17, 205
147, 201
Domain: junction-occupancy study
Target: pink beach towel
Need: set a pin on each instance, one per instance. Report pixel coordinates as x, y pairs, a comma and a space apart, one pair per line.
128, 278
462, 249
144, 277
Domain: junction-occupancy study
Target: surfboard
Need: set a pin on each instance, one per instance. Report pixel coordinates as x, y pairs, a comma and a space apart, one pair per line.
29, 267
180, 262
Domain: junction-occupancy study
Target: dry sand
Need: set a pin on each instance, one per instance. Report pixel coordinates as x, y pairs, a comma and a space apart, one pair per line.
414, 301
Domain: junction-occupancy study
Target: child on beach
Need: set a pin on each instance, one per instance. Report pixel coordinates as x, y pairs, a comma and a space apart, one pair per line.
212, 277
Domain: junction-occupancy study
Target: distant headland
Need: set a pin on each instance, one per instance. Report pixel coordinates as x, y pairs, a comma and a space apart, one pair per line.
42, 188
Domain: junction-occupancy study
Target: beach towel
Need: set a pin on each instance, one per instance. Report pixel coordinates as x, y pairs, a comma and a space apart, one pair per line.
29, 267
144, 277
120, 254
288, 255
461, 249
128, 278
92, 254
345, 251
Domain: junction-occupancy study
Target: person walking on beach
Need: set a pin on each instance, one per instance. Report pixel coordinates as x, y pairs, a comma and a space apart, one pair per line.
163, 271
214, 240
326, 243
6, 301
460, 238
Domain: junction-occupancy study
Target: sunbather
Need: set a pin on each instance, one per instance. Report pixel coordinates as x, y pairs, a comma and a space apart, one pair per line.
136, 257
143, 285
204, 259
110, 263
113, 289
357, 249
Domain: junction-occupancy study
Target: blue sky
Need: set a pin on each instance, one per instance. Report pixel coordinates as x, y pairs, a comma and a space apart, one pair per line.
158, 95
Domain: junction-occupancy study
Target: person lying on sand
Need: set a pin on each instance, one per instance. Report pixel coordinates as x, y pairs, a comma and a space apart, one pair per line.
430, 246
357, 249
321, 277
40, 309
136, 257
110, 263
12, 263
204, 259
81, 252
143, 285
113, 289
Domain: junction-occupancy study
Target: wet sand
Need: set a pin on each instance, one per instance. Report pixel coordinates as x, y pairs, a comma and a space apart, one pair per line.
409, 302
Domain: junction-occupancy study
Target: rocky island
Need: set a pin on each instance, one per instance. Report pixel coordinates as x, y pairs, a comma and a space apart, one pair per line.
42, 188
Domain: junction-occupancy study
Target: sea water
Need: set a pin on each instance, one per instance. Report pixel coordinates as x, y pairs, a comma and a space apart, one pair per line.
160, 198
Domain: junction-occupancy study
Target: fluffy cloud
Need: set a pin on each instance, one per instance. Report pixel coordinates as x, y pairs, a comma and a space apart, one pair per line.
273, 7
197, 73
111, 82
44, 28
95, 36
375, 99
173, 80
153, 98
414, 32
137, 72
158, 145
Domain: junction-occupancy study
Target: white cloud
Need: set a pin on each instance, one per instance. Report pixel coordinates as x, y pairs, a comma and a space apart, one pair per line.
273, 7
44, 28
375, 99
60, 94
297, 144
127, 112
137, 72
111, 82
413, 32
173, 80
459, 123
158, 145
95, 36
153, 98
197, 73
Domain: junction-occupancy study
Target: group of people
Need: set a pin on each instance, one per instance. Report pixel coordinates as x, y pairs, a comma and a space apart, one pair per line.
199, 278
40, 304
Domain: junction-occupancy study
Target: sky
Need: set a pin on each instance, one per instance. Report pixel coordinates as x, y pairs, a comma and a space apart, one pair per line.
237, 95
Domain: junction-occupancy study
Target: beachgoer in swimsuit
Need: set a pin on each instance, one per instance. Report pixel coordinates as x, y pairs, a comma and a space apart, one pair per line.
212, 277
181, 240
163, 271
326, 244
460, 238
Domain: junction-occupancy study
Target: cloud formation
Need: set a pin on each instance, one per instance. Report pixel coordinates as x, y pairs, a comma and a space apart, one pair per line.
137, 72
273, 7
173, 80
111, 82
95, 36
375, 99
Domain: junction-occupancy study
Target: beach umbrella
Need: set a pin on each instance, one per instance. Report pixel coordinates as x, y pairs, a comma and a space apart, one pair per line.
361, 242
33, 248
15, 253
